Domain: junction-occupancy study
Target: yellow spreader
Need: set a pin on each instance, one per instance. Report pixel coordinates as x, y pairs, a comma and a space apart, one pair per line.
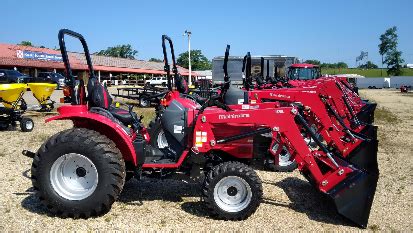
11, 96
11, 93
42, 92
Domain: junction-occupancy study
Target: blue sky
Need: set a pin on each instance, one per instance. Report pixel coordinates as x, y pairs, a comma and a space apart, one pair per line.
329, 31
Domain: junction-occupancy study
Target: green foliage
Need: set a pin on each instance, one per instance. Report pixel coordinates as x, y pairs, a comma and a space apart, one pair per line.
364, 72
338, 65
394, 62
342, 65
368, 65
123, 51
314, 62
198, 60
388, 48
26, 43
155, 60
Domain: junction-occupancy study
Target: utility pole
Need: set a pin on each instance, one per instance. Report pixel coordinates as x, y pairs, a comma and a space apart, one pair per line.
381, 65
188, 33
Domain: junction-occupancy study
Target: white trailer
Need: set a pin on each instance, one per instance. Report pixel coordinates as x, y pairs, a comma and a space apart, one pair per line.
397, 82
373, 83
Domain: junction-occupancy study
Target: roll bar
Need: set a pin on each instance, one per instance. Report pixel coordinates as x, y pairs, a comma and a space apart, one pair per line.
76, 87
167, 68
246, 66
65, 57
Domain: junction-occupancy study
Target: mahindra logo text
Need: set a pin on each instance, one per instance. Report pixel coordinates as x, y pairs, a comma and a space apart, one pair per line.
280, 95
233, 116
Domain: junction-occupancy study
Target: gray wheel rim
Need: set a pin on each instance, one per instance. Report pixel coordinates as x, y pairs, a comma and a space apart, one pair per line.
284, 158
232, 194
29, 125
74, 176
144, 103
161, 140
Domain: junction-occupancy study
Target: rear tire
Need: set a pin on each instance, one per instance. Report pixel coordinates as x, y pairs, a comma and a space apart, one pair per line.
157, 134
26, 124
88, 186
232, 191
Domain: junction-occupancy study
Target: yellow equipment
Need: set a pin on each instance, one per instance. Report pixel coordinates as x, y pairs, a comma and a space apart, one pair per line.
11, 97
42, 93
11, 93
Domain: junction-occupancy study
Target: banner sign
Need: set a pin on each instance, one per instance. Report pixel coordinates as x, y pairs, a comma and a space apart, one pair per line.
25, 54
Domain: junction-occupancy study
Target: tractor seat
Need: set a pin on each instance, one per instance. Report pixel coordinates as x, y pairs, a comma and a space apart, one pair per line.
122, 115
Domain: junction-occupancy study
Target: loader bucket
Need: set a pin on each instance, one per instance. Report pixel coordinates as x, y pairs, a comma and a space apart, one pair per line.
10, 93
353, 197
366, 113
364, 156
42, 91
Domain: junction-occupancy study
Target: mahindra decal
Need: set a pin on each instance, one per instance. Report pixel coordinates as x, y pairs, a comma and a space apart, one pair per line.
233, 116
280, 95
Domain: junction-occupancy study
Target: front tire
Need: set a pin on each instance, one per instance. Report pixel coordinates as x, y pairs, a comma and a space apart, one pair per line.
232, 191
26, 124
78, 173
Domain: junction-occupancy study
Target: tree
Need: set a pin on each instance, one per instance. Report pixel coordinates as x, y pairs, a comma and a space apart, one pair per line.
388, 50
198, 60
314, 62
394, 62
26, 43
123, 51
339, 65
368, 65
155, 60
342, 65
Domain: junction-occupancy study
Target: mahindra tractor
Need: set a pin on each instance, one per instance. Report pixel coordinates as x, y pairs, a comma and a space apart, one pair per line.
81, 171
336, 90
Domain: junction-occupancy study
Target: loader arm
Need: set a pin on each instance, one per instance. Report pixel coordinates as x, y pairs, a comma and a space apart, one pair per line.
350, 185
316, 113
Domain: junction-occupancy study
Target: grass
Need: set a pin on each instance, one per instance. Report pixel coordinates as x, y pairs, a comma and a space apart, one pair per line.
108, 219
374, 227
384, 115
147, 113
366, 73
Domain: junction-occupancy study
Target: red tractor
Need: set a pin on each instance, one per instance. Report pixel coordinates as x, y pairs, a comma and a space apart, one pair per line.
80, 172
326, 107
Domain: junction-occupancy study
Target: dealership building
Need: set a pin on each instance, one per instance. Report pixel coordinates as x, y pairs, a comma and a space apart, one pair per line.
31, 60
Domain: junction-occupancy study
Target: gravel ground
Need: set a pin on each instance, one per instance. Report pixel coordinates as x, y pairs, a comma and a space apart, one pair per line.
290, 203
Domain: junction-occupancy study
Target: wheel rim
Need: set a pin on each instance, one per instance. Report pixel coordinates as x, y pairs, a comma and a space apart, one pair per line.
74, 176
144, 103
232, 194
284, 158
161, 140
29, 125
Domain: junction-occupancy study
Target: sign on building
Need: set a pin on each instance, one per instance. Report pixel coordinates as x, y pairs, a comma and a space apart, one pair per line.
25, 54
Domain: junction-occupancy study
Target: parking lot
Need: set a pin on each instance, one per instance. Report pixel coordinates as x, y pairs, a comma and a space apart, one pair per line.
290, 202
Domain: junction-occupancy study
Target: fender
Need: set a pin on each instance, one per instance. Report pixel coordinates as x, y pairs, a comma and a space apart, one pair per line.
82, 118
